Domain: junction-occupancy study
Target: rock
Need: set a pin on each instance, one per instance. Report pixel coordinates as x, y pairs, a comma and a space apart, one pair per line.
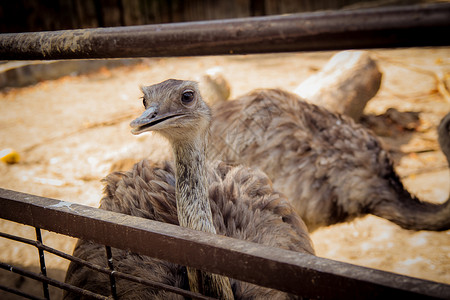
345, 84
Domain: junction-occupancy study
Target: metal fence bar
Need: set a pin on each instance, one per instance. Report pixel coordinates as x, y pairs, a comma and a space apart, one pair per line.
42, 263
402, 26
112, 279
19, 293
288, 271
154, 284
51, 281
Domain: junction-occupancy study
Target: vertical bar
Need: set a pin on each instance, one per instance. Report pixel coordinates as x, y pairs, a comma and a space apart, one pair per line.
112, 279
42, 263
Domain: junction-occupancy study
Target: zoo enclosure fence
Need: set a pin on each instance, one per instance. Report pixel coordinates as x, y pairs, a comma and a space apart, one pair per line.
292, 272
300, 274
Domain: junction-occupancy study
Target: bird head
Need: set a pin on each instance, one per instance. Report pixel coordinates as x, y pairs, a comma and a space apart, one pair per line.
173, 108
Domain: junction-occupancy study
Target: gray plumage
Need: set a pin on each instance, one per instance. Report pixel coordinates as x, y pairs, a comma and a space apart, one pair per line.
330, 168
242, 202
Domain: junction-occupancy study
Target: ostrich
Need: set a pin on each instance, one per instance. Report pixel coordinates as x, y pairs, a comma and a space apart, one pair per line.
211, 196
331, 169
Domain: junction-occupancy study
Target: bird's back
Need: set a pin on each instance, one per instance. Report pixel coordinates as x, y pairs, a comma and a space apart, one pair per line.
327, 165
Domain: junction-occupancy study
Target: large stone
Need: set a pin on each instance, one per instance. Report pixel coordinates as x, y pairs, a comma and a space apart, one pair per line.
345, 84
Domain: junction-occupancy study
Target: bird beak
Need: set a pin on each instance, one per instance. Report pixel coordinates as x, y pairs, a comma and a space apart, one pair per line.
145, 121
152, 119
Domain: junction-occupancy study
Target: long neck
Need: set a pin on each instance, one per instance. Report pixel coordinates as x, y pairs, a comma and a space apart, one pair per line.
193, 206
194, 210
400, 207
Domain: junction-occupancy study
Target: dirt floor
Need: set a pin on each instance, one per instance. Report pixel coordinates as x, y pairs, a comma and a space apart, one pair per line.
71, 131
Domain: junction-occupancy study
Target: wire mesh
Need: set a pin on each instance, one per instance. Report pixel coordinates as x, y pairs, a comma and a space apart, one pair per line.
111, 272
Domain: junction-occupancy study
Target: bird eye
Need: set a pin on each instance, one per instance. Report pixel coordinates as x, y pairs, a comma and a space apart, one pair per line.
187, 97
144, 101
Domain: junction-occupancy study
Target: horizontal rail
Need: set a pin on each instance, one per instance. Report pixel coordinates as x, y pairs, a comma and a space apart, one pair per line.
403, 26
285, 270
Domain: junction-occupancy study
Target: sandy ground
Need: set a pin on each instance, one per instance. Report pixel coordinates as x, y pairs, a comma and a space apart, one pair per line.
71, 131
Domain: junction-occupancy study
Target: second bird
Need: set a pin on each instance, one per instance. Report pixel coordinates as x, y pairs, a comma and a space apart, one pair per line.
330, 168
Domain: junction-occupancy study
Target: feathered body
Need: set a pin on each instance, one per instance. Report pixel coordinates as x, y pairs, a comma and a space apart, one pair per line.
243, 204
238, 202
330, 168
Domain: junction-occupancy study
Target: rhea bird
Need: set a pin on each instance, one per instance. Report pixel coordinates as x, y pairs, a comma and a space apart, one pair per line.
330, 168
210, 196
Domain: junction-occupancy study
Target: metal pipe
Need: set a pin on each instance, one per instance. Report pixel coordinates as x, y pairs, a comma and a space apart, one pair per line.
403, 26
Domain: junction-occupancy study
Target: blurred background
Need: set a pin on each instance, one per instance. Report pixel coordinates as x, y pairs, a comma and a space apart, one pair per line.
34, 15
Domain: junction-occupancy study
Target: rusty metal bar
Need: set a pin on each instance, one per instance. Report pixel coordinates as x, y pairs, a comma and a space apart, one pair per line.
42, 263
112, 279
288, 271
51, 281
19, 293
154, 284
402, 26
